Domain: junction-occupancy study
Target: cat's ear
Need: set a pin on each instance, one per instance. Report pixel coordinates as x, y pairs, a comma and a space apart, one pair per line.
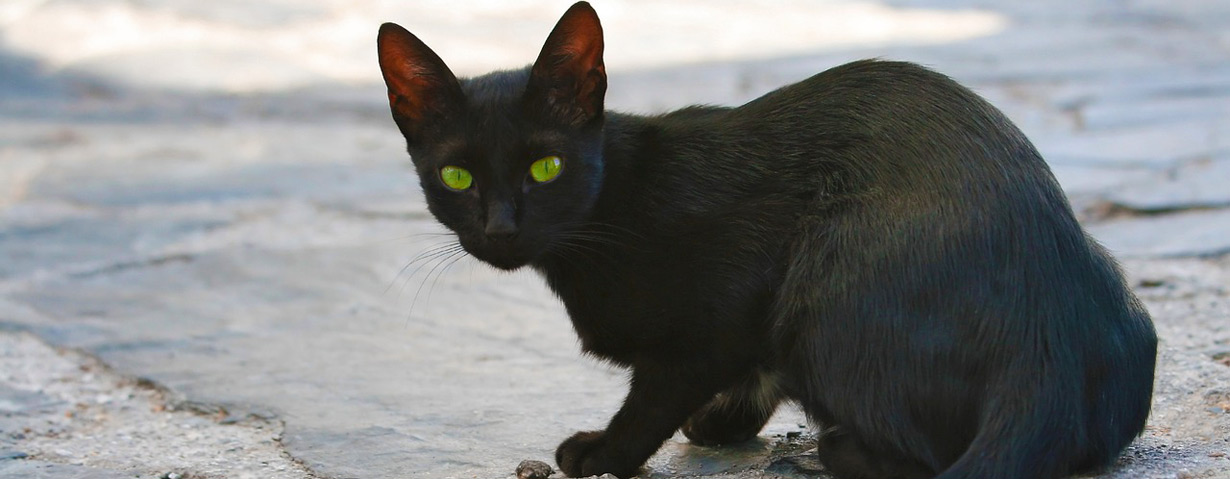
568, 81
422, 90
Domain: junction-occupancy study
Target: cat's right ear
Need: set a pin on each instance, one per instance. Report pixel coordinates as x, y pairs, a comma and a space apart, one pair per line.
422, 90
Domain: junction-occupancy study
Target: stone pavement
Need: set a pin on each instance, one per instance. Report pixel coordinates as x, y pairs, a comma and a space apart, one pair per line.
202, 250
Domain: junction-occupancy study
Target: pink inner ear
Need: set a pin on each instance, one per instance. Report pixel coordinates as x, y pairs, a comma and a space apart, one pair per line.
415, 76
402, 74
579, 36
570, 66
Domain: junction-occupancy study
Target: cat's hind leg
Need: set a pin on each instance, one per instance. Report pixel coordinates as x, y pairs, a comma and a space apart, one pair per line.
847, 457
735, 415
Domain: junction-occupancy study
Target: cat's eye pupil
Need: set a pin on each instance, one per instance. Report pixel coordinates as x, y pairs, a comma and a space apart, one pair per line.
546, 169
456, 177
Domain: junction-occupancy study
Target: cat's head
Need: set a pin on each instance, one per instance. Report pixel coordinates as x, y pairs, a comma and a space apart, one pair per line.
509, 161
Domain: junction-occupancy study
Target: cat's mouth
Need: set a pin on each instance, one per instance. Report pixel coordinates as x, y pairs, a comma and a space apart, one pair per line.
505, 263
502, 254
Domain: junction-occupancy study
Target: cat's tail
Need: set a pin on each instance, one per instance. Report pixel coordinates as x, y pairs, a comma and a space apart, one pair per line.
1016, 443
1045, 430
1063, 421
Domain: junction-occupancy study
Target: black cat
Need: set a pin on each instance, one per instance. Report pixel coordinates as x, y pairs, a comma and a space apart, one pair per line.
876, 243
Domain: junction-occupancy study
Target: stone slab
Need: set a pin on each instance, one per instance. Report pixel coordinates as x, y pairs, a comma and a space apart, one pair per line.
1197, 184
102, 424
1192, 233
49, 470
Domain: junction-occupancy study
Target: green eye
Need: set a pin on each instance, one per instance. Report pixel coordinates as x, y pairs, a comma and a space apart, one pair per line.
546, 169
456, 177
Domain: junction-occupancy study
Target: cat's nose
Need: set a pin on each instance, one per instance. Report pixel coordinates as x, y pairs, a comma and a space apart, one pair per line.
501, 221
501, 230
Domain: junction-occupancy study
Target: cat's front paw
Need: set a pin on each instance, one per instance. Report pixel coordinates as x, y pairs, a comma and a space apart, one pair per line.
588, 454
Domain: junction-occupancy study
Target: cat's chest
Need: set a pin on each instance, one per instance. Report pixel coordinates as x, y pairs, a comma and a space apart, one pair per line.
618, 300
625, 301
616, 282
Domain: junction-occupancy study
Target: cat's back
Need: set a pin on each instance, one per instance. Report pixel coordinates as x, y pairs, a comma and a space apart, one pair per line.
929, 170
894, 125
868, 95
879, 134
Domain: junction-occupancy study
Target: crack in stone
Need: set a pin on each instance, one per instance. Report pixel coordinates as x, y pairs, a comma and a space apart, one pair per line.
131, 265
1104, 210
168, 401
416, 215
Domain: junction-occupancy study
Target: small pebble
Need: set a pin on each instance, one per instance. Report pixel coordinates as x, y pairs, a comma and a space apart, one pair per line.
533, 470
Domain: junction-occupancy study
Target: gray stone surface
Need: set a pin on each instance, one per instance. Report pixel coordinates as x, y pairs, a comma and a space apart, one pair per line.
31, 469
1189, 233
238, 242
1197, 184
83, 420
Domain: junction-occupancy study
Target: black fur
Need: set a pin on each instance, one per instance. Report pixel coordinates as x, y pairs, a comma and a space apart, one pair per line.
875, 243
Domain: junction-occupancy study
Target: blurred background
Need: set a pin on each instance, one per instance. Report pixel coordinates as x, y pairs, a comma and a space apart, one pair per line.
246, 47
211, 196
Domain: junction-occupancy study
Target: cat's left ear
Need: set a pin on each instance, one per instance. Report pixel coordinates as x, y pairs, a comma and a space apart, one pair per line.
569, 80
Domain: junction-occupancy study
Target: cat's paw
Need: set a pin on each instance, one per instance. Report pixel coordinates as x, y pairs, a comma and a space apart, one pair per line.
588, 454
723, 422
706, 428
